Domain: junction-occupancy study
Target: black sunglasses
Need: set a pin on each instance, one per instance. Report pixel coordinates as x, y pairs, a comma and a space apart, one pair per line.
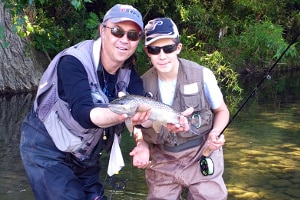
119, 33
154, 50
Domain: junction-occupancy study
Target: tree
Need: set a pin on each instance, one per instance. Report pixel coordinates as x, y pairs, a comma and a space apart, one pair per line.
208, 27
20, 66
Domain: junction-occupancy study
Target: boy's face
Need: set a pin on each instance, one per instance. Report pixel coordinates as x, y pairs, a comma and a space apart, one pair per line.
164, 59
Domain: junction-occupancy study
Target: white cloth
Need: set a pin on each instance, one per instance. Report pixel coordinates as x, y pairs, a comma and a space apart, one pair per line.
167, 91
116, 162
96, 53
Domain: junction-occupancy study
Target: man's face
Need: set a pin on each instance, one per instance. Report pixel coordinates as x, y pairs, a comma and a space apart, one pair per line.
119, 40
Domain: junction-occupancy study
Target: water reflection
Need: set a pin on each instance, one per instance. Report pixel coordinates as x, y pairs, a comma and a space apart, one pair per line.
262, 151
13, 181
262, 154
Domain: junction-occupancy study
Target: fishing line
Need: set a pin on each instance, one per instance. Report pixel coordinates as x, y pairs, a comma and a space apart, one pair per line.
267, 76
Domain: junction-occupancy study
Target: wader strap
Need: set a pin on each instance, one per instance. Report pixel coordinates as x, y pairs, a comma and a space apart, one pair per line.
184, 146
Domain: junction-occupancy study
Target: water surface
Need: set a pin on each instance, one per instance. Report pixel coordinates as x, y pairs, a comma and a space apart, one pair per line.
262, 151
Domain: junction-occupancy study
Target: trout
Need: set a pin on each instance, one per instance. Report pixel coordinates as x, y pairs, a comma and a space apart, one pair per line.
160, 113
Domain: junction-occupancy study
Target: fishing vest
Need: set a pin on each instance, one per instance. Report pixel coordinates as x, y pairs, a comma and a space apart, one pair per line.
189, 93
67, 134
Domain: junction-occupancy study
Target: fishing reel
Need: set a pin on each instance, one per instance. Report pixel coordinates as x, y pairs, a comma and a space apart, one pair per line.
206, 166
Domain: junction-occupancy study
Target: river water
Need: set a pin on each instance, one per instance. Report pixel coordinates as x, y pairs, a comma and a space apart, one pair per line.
262, 150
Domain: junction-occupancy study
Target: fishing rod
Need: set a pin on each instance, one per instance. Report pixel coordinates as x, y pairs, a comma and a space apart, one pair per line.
267, 76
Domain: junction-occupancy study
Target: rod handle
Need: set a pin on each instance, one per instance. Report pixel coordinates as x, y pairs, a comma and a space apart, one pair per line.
206, 152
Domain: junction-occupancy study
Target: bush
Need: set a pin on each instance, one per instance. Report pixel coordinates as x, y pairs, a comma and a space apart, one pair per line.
256, 48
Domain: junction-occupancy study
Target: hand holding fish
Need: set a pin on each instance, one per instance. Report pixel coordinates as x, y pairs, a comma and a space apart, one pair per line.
140, 108
137, 118
143, 110
183, 124
141, 115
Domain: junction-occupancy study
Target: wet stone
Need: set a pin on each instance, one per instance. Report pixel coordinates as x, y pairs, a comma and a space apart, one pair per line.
295, 181
280, 183
248, 195
293, 192
275, 196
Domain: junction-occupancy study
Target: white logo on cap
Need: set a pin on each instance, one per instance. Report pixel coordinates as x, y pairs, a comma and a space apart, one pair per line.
156, 23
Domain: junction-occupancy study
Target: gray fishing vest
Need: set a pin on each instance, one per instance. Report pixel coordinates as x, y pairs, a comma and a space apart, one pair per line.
67, 134
190, 74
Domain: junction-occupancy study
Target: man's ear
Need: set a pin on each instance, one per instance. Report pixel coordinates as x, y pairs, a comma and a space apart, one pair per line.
101, 29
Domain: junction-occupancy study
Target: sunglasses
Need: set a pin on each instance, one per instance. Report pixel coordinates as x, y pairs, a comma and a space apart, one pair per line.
119, 33
154, 50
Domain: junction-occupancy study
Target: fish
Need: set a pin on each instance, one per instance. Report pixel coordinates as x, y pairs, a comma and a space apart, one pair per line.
161, 114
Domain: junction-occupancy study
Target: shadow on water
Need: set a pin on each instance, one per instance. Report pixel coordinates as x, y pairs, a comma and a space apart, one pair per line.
13, 181
262, 151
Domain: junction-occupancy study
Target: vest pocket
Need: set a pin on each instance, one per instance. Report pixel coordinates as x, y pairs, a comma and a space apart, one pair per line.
190, 95
66, 133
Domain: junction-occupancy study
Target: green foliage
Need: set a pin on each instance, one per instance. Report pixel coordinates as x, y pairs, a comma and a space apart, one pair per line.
143, 62
54, 25
78, 4
256, 47
227, 36
60, 23
226, 76
3, 41
237, 28
1, 33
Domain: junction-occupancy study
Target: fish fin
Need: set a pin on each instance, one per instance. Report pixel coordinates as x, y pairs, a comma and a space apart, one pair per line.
143, 107
129, 125
157, 126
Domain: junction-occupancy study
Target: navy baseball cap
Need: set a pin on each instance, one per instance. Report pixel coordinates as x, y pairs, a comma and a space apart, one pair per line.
120, 13
160, 28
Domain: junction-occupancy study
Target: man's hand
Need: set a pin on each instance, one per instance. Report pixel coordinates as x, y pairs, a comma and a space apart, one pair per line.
140, 116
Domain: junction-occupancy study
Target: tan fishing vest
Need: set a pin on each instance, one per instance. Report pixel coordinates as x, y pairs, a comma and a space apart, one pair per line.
189, 92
